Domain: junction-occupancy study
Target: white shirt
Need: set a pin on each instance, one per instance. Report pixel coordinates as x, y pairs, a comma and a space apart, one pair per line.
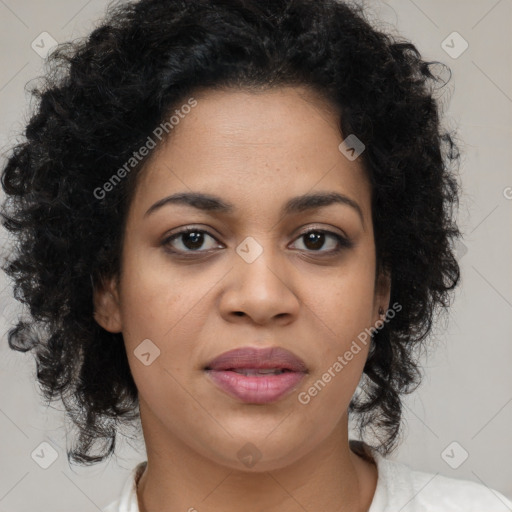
399, 489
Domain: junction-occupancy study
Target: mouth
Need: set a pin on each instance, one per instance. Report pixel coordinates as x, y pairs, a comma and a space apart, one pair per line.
257, 376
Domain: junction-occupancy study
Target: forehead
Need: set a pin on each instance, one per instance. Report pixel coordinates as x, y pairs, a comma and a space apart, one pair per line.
253, 116
254, 144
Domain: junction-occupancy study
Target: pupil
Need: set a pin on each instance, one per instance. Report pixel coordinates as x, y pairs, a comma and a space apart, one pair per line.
312, 237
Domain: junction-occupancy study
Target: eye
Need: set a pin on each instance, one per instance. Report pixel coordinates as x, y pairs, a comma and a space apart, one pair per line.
189, 240
192, 240
315, 239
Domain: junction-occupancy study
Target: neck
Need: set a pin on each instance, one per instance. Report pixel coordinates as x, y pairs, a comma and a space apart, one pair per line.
178, 478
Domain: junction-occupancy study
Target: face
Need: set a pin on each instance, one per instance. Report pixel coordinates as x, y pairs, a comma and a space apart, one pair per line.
263, 265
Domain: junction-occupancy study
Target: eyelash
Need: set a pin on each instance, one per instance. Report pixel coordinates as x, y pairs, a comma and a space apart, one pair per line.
343, 243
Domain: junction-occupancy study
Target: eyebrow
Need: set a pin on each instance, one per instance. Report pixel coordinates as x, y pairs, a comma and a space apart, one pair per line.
210, 203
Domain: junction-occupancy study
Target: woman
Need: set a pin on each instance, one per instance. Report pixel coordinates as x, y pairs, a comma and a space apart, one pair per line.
235, 221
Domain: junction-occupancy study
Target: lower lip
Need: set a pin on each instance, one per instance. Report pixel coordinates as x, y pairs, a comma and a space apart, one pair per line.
256, 390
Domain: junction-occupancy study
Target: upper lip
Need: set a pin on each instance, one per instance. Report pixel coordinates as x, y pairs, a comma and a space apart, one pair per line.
257, 358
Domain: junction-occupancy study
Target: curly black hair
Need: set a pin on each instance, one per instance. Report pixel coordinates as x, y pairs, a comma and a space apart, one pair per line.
102, 97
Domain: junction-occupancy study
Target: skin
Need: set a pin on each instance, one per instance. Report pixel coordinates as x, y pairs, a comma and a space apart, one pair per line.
255, 150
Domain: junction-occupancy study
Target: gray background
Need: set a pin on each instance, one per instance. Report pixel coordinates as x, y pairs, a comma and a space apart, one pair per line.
466, 395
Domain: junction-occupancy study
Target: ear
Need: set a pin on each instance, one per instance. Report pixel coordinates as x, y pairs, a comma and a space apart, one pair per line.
106, 305
382, 295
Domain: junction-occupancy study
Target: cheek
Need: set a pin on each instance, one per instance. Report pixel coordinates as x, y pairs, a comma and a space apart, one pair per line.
160, 326
344, 302
156, 300
164, 312
343, 312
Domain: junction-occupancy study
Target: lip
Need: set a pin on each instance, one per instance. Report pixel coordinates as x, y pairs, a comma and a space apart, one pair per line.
224, 372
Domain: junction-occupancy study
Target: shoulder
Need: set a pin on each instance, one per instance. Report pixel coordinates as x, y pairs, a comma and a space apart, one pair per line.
113, 507
127, 501
399, 487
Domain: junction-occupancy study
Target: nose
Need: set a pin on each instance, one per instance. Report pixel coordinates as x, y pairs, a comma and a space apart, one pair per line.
262, 291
